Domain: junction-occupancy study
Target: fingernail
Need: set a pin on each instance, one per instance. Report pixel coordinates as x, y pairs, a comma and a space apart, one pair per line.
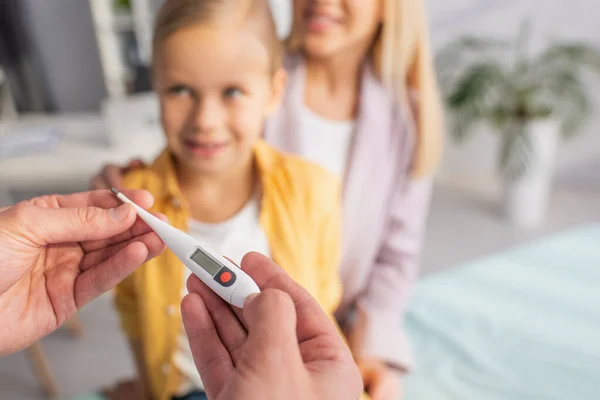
151, 200
149, 197
162, 216
119, 213
250, 299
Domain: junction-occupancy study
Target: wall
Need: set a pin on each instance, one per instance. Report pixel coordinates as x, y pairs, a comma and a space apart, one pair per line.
282, 14
473, 164
62, 33
75, 78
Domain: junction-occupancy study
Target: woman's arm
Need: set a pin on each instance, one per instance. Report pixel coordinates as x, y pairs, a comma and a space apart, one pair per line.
377, 332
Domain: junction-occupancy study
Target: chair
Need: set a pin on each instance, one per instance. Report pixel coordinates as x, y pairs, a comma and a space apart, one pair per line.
40, 364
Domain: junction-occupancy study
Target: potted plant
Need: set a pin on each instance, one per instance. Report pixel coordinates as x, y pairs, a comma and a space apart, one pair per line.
123, 5
530, 99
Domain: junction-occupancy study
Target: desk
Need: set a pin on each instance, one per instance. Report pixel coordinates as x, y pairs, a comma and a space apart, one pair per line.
83, 150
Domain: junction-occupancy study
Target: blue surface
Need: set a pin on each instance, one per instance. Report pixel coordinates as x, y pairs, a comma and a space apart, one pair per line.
520, 325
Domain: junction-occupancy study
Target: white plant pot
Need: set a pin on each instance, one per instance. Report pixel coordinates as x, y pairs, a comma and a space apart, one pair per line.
526, 200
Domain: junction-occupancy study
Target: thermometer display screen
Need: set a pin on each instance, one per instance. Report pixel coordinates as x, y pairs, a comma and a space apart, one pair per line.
206, 262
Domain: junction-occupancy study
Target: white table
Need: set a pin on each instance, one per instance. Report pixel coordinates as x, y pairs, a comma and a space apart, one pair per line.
84, 148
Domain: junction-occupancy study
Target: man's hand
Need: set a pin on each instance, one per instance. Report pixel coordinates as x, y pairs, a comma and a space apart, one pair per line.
287, 347
111, 175
59, 252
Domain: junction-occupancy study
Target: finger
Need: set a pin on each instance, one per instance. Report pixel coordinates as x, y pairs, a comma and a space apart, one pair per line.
230, 329
150, 239
210, 355
312, 320
64, 225
113, 176
81, 217
94, 198
138, 229
271, 320
105, 276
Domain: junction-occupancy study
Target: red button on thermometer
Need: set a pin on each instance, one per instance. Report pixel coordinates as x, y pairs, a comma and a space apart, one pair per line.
218, 273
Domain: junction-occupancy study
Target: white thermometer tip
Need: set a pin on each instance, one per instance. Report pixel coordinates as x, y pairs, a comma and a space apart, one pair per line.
122, 197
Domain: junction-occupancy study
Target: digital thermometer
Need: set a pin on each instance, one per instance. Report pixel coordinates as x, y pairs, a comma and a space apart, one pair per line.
221, 275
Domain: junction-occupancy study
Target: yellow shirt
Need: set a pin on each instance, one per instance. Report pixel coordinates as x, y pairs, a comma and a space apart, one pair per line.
300, 215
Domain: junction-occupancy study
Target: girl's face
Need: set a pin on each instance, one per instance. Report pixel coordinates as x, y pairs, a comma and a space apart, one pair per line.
330, 27
216, 88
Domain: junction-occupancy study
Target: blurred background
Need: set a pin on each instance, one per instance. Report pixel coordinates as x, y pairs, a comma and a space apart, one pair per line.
74, 95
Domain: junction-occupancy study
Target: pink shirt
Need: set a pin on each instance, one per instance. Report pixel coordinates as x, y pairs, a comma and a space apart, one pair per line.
385, 210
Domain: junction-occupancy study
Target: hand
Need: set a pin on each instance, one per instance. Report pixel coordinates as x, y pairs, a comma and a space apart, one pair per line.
290, 349
112, 175
60, 252
381, 381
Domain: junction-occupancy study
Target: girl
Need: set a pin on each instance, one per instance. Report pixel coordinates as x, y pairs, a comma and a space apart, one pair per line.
362, 101
217, 71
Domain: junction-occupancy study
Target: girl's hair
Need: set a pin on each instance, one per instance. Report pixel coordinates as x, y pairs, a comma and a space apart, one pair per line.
402, 57
180, 14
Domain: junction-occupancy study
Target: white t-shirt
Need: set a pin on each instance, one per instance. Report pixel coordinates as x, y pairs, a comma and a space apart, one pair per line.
325, 142
233, 238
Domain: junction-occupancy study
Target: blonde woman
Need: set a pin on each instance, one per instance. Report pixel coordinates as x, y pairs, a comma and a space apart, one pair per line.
362, 101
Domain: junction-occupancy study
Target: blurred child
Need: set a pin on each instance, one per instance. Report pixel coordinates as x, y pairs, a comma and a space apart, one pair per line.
217, 71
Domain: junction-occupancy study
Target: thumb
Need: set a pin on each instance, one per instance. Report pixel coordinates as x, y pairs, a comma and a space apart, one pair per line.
63, 225
271, 322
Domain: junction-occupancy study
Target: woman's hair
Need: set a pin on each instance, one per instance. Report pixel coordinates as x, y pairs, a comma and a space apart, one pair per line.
180, 14
403, 60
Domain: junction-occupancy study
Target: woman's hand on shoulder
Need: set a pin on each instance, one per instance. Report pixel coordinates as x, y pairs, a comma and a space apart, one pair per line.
111, 175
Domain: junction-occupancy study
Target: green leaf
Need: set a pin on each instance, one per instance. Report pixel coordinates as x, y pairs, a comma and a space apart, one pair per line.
570, 54
469, 45
480, 85
569, 100
476, 82
500, 116
465, 50
575, 110
522, 47
475, 97
122, 4
516, 153
462, 125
